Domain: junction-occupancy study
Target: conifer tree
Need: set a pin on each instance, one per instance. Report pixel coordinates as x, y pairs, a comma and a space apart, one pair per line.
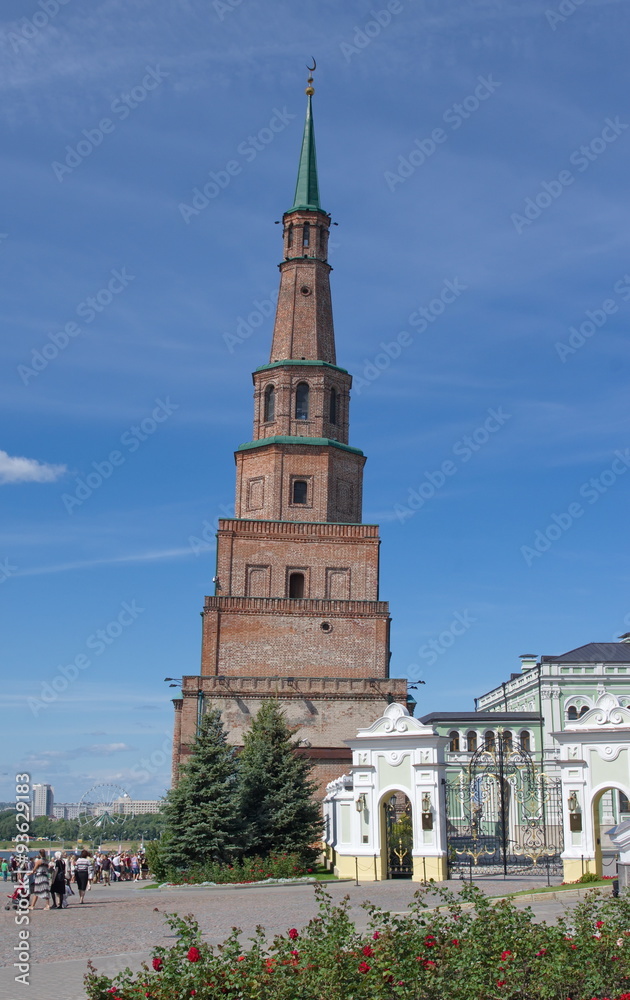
276, 789
202, 810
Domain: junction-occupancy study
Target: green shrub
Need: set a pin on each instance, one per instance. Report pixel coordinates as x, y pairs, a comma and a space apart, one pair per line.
482, 952
247, 870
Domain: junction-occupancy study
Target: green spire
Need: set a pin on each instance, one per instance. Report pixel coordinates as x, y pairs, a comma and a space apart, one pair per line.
307, 187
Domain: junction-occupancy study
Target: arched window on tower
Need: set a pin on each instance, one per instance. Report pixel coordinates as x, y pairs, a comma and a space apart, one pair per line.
301, 401
454, 741
583, 711
572, 713
306, 235
507, 740
290, 236
471, 741
489, 740
300, 491
322, 238
296, 585
525, 741
332, 414
270, 404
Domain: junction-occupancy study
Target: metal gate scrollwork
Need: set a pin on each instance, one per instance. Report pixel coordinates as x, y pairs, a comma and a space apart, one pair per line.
504, 815
399, 832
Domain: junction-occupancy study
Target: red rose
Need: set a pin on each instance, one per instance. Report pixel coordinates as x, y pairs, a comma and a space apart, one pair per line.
455, 942
241, 958
368, 951
428, 964
543, 951
600, 923
364, 967
193, 954
293, 933
501, 982
157, 964
505, 954
375, 936
295, 954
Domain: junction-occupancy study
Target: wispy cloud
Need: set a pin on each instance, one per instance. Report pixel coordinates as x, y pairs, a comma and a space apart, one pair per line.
14, 469
136, 557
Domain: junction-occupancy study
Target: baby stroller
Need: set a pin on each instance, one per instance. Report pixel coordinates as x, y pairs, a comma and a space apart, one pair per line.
20, 892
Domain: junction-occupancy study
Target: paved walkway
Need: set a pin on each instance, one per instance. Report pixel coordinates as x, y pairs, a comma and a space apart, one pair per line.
119, 925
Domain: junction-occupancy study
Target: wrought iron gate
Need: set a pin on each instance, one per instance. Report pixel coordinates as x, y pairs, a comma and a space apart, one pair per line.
399, 833
503, 815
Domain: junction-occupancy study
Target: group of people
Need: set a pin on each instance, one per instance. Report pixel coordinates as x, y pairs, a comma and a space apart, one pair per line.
51, 879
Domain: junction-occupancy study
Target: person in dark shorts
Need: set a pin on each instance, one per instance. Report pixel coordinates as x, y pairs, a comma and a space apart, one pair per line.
81, 873
58, 886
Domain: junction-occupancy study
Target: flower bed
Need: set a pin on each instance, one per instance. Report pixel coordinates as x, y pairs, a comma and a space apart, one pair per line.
488, 951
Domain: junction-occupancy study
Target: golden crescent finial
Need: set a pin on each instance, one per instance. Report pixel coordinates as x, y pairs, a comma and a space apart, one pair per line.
310, 90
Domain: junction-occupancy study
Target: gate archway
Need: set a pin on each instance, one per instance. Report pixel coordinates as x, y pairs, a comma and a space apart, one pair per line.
607, 808
397, 836
504, 815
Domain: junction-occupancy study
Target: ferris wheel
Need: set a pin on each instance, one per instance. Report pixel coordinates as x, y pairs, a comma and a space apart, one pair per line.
103, 805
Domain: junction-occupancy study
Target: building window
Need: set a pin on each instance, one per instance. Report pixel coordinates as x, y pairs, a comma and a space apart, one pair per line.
471, 741
507, 740
572, 713
332, 410
290, 236
301, 401
454, 741
624, 804
296, 585
306, 235
270, 404
489, 740
583, 710
525, 741
300, 491
322, 237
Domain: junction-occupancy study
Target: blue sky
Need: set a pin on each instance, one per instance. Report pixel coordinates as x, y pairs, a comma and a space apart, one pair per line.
479, 146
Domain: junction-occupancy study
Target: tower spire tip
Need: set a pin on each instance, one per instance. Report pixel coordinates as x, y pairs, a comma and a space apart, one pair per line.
310, 90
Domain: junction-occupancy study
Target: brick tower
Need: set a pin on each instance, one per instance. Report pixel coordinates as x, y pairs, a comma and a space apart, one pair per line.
296, 613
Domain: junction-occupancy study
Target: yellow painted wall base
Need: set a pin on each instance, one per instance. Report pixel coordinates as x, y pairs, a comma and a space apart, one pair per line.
427, 868
363, 868
573, 868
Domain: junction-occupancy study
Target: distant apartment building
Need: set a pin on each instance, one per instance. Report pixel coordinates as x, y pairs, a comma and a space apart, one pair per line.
43, 800
131, 807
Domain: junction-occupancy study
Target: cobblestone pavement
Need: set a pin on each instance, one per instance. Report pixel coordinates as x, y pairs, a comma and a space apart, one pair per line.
119, 925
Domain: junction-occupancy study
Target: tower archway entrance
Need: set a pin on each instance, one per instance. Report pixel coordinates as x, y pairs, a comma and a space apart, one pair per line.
397, 836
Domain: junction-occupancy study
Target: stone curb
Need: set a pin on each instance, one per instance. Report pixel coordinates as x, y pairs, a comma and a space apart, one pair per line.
248, 885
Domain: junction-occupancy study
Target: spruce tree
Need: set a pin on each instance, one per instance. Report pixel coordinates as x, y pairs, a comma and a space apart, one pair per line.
201, 811
276, 789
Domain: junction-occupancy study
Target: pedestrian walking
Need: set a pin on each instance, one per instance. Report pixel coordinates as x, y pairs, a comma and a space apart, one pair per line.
58, 885
82, 870
41, 881
4, 868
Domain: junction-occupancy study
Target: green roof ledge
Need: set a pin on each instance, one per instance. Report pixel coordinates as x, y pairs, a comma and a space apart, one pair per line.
307, 187
286, 439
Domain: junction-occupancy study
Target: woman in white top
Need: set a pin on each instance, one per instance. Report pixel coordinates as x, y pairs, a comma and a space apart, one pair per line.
82, 872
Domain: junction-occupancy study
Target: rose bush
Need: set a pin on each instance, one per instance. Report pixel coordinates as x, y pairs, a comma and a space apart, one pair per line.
470, 949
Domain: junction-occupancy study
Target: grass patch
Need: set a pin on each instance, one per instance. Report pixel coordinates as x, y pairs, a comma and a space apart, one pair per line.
556, 888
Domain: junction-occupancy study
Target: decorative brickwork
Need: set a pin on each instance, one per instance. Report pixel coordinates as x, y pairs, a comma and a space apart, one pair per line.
296, 613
